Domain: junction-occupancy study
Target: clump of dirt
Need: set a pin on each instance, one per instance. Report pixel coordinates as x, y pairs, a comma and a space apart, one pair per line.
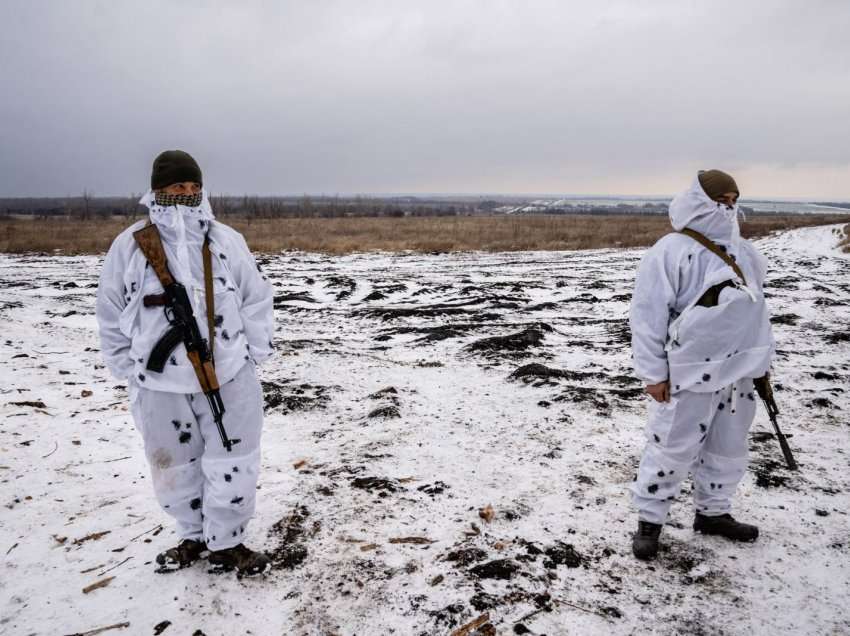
345, 284
498, 569
289, 532
580, 394
466, 556
388, 411
823, 375
439, 332
380, 484
821, 402
300, 397
437, 488
619, 331
386, 393
837, 337
785, 319
375, 295
304, 297
562, 554
765, 472
518, 342
535, 371
447, 617
541, 307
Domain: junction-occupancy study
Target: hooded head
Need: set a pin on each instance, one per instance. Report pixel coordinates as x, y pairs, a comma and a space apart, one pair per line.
717, 184
709, 215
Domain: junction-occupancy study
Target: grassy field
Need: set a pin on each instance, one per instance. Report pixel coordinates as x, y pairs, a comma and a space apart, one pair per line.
423, 234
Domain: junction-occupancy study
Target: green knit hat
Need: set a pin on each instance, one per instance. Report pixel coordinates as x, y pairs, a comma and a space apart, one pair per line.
716, 183
174, 166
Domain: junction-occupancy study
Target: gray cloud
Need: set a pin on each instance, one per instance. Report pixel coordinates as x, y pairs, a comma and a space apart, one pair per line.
461, 96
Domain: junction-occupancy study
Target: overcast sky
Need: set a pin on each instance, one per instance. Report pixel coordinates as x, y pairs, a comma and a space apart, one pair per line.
392, 96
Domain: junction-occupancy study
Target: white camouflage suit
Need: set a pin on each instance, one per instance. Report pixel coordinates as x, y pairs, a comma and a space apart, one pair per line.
710, 355
210, 492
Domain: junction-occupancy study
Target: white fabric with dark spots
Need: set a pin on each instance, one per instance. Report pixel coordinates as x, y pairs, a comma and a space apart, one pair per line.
700, 348
704, 434
243, 298
208, 491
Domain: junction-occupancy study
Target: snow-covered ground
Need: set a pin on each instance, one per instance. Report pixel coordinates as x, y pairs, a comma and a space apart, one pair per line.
369, 497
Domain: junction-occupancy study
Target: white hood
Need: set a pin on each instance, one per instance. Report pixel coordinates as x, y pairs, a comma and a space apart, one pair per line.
694, 209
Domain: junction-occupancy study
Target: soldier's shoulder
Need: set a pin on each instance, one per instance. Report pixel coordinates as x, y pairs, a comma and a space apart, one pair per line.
673, 242
225, 234
125, 238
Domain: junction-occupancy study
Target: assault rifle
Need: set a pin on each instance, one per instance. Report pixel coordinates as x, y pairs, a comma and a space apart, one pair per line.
184, 327
765, 391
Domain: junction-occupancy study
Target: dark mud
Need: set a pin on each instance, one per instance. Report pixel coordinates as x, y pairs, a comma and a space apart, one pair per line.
287, 397
289, 534
515, 343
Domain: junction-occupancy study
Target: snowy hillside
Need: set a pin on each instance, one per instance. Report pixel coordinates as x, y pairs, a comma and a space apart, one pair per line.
400, 404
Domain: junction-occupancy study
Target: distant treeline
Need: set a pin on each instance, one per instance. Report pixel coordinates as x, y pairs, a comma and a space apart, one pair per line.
88, 207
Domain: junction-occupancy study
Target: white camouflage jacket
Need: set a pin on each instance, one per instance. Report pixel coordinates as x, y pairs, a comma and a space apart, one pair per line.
244, 320
700, 348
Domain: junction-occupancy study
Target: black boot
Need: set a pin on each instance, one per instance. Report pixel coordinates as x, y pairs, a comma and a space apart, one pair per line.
726, 526
245, 561
181, 556
645, 540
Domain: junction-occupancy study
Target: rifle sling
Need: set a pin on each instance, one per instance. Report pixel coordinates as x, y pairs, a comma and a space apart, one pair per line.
711, 246
209, 295
151, 301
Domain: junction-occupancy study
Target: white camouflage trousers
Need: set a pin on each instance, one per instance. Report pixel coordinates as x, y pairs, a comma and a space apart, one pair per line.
700, 433
208, 491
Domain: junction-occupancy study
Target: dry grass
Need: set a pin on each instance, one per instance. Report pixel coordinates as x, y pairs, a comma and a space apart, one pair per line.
424, 234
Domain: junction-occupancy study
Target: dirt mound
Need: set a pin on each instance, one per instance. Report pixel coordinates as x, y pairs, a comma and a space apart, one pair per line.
466, 556
520, 341
499, 569
535, 371
345, 285
388, 411
303, 297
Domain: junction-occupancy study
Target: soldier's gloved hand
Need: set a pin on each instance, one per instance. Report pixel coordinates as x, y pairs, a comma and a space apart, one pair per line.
660, 392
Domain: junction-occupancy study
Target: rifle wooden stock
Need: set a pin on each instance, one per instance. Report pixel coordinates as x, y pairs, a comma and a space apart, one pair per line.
205, 372
151, 245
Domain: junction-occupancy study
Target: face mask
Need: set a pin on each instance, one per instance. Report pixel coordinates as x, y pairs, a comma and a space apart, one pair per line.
189, 200
728, 212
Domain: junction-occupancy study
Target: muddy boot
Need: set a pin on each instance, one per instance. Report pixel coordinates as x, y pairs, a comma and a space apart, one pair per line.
725, 526
245, 561
182, 556
645, 540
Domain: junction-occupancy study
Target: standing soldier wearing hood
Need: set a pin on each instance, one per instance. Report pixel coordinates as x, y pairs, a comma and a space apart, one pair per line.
208, 490
700, 335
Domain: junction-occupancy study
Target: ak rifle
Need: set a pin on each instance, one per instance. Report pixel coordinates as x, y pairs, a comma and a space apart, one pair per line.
765, 391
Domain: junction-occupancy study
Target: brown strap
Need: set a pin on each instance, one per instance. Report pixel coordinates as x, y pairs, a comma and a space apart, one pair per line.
150, 243
208, 293
711, 246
